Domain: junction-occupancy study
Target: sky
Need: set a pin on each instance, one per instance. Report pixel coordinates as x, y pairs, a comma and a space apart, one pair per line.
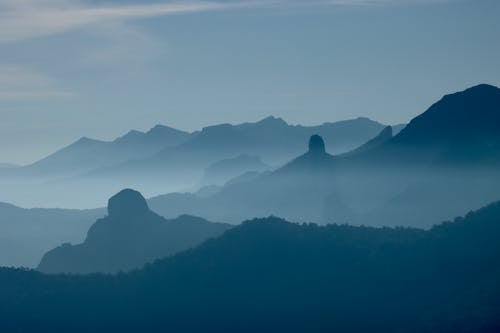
98, 68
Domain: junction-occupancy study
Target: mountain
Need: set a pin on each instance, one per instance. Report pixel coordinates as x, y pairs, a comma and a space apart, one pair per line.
26, 234
463, 127
269, 275
296, 191
222, 171
165, 160
42, 183
87, 154
441, 164
314, 160
129, 237
471, 114
276, 141
382, 138
412, 177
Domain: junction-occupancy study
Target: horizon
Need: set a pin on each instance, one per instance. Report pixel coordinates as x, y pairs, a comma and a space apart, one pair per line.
250, 166
97, 69
63, 145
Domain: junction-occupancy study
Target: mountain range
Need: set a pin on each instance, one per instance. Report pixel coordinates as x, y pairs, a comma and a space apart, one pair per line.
416, 177
165, 159
450, 151
26, 234
87, 154
269, 275
130, 236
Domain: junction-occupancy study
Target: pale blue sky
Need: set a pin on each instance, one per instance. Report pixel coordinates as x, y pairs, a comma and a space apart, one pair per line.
98, 68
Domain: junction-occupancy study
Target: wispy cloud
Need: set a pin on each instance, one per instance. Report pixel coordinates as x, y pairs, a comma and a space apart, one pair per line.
24, 19
20, 83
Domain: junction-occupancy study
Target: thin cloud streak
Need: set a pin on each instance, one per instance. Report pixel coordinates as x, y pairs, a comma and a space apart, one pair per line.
25, 19
17, 83
29, 19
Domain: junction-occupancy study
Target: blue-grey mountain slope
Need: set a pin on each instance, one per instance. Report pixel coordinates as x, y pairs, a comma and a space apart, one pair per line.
130, 236
451, 151
270, 275
26, 234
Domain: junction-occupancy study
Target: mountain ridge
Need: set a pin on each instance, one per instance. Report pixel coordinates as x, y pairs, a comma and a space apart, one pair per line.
130, 236
271, 275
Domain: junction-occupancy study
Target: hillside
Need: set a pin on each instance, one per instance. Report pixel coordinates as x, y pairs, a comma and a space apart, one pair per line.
130, 236
412, 177
26, 234
270, 275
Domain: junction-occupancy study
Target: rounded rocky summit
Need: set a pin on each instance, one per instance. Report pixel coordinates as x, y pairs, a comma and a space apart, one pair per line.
316, 144
127, 202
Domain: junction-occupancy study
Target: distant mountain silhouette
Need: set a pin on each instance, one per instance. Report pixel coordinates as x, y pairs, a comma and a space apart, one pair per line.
269, 275
382, 138
130, 236
295, 191
467, 115
441, 164
87, 154
165, 160
461, 127
181, 167
397, 128
412, 177
26, 234
246, 177
276, 141
315, 159
221, 171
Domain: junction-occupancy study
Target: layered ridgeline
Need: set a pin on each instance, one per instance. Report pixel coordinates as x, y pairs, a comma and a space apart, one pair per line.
443, 163
164, 160
26, 234
87, 154
225, 170
130, 236
268, 275
295, 191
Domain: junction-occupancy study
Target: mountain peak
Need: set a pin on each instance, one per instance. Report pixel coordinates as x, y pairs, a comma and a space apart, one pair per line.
482, 87
272, 120
316, 145
464, 116
127, 203
130, 135
158, 128
85, 140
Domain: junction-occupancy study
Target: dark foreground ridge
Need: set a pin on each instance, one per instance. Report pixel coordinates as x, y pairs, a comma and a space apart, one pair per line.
269, 275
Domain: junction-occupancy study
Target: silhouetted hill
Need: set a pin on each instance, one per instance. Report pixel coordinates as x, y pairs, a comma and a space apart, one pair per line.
181, 168
268, 275
276, 141
467, 115
296, 191
26, 234
165, 160
397, 128
383, 137
315, 159
87, 154
410, 177
461, 127
130, 236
